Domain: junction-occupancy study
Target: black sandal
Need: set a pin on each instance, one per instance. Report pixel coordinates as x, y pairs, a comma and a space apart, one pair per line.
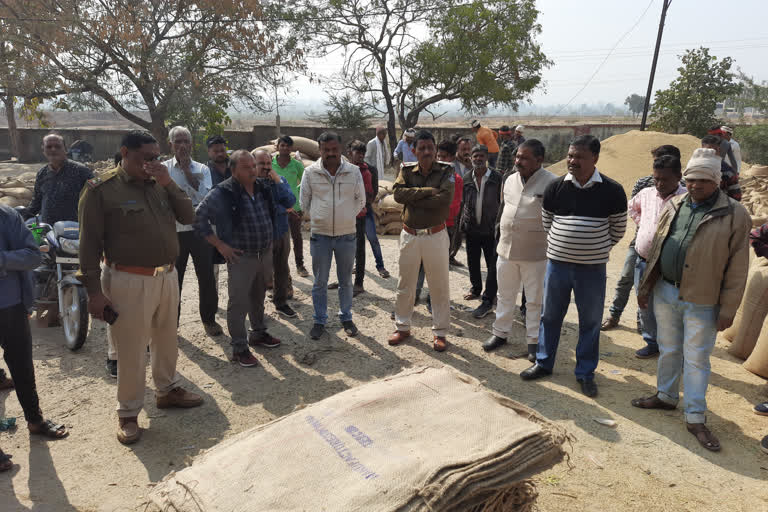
704, 436
5, 461
652, 402
48, 429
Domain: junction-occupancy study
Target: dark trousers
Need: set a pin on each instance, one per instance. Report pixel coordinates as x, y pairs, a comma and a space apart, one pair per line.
16, 341
454, 233
281, 282
360, 238
294, 220
202, 257
487, 246
587, 282
247, 287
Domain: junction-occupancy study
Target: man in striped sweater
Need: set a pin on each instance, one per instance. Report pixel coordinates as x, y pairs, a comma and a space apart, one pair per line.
585, 215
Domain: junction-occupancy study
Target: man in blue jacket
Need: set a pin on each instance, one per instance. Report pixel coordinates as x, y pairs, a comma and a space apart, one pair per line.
19, 255
243, 208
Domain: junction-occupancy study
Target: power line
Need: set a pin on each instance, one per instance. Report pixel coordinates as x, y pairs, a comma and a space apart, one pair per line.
632, 28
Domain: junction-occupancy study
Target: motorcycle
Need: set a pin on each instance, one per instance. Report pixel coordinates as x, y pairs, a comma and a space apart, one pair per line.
55, 283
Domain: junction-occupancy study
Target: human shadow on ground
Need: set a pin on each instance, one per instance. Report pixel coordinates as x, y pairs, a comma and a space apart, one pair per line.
180, 433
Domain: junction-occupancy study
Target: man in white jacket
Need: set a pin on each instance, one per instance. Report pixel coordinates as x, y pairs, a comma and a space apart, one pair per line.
377, 152
522, 246
332, 192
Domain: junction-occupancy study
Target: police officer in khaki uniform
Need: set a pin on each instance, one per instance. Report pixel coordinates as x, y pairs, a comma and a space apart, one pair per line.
426, 189
128, 219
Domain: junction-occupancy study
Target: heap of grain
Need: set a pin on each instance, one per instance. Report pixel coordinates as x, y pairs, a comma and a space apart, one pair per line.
627, 157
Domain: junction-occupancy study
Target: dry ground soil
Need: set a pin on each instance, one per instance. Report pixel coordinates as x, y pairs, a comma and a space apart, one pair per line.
648, 462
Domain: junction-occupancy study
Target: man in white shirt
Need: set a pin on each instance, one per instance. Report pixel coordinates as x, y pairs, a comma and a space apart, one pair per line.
194, 179
377, 152
522, 246
735, 148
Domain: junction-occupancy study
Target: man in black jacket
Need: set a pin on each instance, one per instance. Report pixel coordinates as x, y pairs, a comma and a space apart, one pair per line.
482, 195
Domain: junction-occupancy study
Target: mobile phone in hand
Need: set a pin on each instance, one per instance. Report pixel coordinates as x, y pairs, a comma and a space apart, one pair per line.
109, 315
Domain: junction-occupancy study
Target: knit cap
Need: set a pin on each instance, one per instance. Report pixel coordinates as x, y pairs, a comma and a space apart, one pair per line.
703, 165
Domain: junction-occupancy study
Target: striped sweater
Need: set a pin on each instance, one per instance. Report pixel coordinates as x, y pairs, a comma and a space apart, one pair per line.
583, 224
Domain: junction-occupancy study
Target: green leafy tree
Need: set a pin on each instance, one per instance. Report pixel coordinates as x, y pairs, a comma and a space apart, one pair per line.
688, 106
752, 94
407, 57
754, 143
147, 56
635, 103
346, 112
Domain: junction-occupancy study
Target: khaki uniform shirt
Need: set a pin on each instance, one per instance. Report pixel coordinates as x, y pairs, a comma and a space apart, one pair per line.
130, 222
413, 189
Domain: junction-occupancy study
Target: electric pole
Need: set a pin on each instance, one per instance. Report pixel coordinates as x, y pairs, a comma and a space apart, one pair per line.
648, 93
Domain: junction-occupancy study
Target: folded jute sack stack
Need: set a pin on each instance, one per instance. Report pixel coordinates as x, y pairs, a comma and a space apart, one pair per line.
426, 439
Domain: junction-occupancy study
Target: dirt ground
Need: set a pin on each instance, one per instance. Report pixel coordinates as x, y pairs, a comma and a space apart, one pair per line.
648, 462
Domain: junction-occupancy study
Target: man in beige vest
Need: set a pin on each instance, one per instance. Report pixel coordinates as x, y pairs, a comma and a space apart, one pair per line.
522, 246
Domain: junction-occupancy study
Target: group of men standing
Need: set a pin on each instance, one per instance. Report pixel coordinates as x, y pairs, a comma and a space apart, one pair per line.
548, 235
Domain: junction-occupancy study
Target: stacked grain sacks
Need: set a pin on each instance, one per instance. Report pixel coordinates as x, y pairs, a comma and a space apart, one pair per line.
754, 192
14, 192
387, 211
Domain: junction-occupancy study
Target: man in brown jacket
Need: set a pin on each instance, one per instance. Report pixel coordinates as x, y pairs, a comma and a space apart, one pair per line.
697, 270
425, 189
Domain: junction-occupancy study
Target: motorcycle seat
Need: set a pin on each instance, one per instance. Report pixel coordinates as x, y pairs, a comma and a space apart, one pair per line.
67, 229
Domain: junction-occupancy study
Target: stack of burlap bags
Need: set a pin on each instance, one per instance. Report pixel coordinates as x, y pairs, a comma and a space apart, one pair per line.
14, 192
749, 333
754, 193
426, 439
387, 212
308, 149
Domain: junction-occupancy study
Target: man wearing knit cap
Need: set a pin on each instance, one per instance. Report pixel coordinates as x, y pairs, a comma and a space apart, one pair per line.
697, 270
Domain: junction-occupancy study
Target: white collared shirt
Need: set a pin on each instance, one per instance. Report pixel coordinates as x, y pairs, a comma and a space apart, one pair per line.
595, 178
480, 193
177, 175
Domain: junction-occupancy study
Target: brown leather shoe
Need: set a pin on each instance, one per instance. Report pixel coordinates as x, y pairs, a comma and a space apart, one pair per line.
609, 323
440, 344
398, 337
128, 431
179, 397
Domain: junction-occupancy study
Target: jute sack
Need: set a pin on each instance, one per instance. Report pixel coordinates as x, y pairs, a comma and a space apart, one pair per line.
389, 205
751, 313
19, 193
269, 148
757, 362
307, 147
390, 217
393, 228
378, 447
13, 202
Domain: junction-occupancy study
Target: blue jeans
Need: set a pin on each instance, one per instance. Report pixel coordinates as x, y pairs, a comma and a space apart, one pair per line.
588, 285
624, 286
687, 335
322, 248
647, 317
373, 239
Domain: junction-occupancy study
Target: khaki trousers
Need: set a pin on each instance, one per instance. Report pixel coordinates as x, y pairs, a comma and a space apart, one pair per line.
510, 275
147, 307
432, 251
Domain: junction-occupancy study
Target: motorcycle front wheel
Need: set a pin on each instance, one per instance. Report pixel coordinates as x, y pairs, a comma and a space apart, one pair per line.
75, 316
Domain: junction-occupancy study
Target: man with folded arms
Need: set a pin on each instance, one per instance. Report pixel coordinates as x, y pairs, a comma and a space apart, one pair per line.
128, 217
697, 272
522, 246
585, 215
426, 189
